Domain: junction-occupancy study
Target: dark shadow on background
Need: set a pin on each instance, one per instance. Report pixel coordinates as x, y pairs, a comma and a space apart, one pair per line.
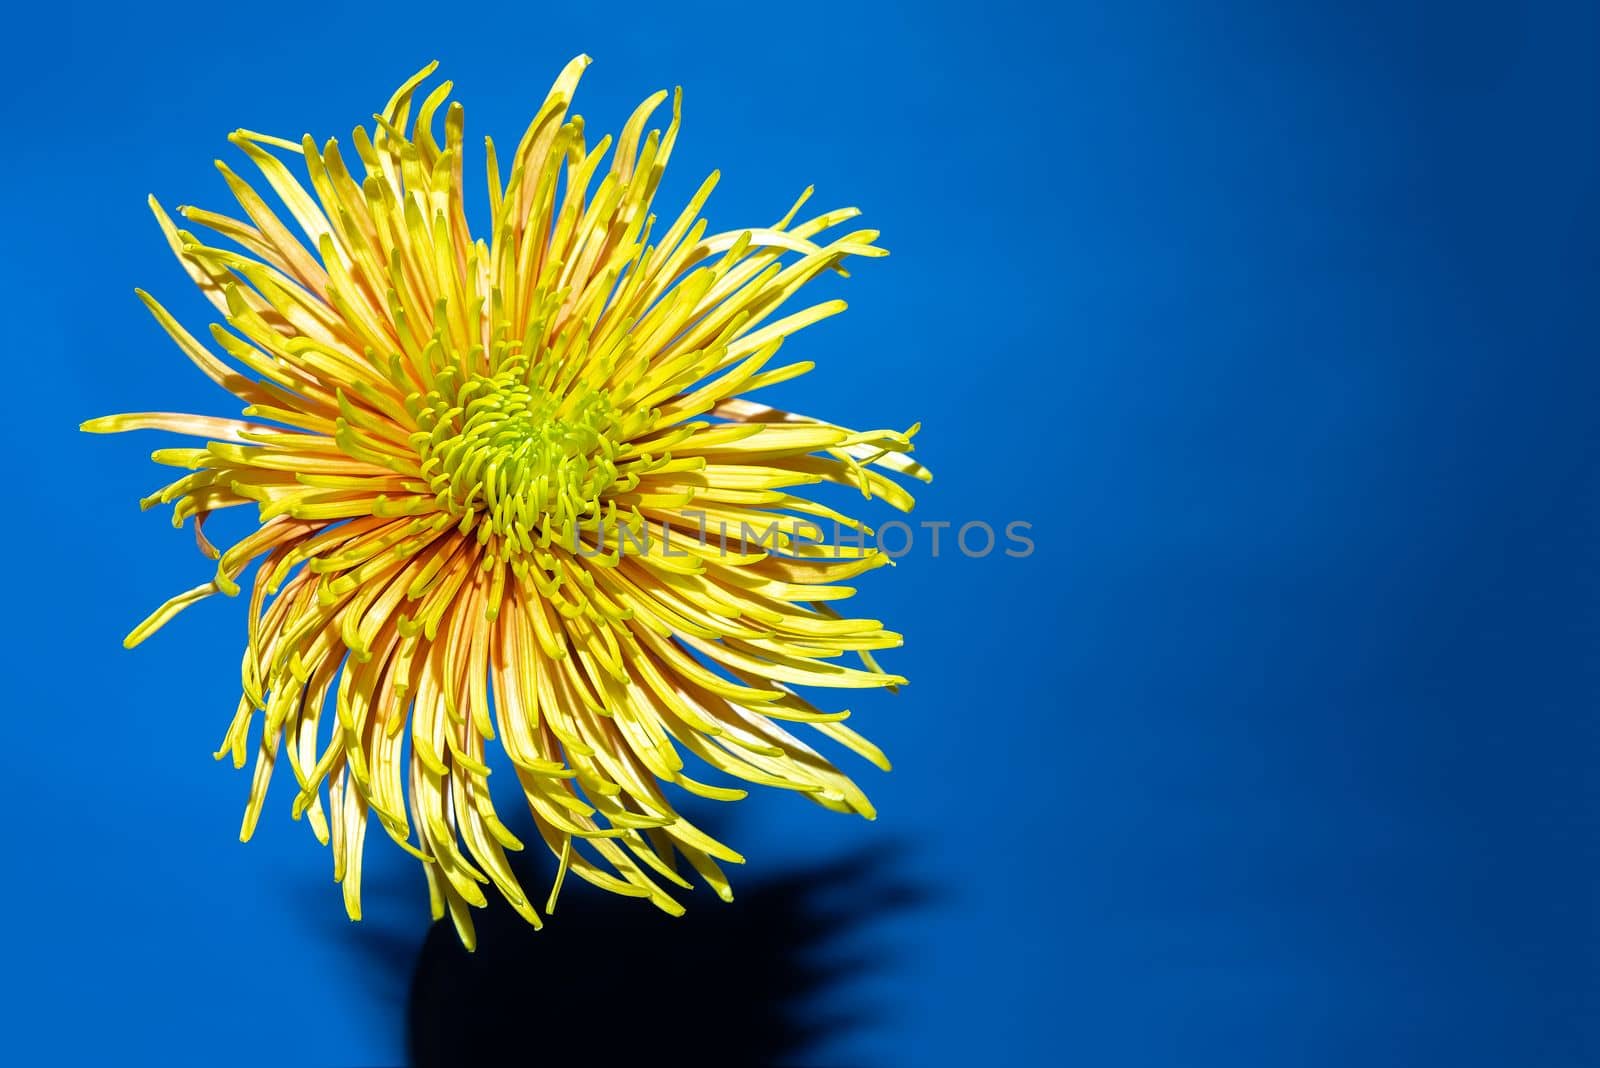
610, 979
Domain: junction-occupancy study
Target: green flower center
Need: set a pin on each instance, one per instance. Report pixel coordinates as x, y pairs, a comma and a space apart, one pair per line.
514, 459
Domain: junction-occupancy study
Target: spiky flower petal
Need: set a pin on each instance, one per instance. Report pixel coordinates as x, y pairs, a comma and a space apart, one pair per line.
483, 475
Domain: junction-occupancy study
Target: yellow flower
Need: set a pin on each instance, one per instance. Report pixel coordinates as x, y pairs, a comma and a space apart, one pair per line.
484, 475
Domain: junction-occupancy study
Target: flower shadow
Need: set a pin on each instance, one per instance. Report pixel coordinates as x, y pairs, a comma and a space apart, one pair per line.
610, 979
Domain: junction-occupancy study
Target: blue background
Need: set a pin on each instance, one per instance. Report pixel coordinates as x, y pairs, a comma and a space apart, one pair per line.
1277, 322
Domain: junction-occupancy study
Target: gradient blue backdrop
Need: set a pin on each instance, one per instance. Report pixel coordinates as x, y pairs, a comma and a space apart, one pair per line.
1279, 325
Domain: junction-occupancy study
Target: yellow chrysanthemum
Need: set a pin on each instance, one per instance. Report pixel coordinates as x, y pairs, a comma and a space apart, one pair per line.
484, 473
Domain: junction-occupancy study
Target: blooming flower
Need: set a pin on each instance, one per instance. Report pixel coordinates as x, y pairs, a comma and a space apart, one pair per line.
459, 451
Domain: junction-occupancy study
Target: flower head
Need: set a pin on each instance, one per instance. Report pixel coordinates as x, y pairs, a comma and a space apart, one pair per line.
484, 472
